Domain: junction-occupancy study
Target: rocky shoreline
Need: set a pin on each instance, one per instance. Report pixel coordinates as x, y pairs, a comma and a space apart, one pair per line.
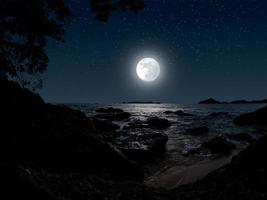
54, 152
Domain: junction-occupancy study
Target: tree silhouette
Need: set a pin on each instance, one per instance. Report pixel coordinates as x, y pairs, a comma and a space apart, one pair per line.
27, 25
103, 8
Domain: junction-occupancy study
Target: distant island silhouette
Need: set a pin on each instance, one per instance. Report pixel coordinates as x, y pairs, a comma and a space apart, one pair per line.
141, 102
214, 101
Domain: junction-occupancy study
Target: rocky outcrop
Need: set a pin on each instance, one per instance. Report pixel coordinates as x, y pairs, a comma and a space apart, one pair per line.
241, 137
151, 123
136, 124
218, 114
259, 117
219, 145
57, 138
178, 112
142, 145
158, 123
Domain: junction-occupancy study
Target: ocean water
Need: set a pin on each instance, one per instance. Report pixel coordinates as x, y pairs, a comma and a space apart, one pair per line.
180, 144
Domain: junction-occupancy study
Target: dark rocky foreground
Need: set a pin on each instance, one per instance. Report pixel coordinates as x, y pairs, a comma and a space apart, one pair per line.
244, 178
259, 117
51, 152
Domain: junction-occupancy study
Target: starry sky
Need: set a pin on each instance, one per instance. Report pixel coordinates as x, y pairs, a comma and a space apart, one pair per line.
206, 48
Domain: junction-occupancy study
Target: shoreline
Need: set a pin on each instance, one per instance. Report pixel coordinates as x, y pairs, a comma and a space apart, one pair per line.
173, 177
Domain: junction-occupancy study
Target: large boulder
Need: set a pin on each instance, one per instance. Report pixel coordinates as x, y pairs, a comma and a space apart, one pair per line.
158, 123
259, 117
219, 145
142, 145
135, 124
178, 112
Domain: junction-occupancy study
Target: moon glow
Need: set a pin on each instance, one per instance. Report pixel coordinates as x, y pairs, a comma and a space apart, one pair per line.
148, 69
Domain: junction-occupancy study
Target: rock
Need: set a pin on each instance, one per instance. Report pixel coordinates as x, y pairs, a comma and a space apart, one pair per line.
219, 145
192, 151
241, 137
112, 114
135, 124
251, 157
143, 145
168, 112
158, 123
243, 178
24, 182
57, 139
209, 101
197, 131
105, 125
216, 114
109, 110
178, 112
258, 117
182, 113
106, 129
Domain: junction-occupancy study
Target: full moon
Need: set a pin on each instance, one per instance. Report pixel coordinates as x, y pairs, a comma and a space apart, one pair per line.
148, 69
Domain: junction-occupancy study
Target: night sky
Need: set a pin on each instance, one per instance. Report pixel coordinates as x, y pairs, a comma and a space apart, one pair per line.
206, 48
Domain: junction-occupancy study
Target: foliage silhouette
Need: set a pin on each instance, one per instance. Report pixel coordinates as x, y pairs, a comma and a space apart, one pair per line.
27, 25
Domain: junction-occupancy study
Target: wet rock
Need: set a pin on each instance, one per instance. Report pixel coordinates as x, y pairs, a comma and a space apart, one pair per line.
241, 137
259, 117
217, 114
109, 110
168, 112
105, 125
192, 151
178, 112
143, 145
182, 113
106, 129
158, 123
135, 124
219, 145
198, 131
